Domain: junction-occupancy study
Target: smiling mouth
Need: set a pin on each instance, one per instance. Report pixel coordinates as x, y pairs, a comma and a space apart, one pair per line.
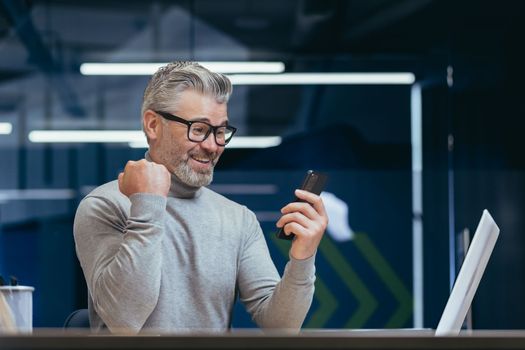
201, 160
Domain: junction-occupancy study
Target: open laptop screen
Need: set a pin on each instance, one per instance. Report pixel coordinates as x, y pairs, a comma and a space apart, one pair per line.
469, 276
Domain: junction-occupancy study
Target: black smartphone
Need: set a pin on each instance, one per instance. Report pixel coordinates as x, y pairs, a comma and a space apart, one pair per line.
313, 182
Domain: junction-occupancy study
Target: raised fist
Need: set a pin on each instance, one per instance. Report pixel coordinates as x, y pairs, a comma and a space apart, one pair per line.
144, 177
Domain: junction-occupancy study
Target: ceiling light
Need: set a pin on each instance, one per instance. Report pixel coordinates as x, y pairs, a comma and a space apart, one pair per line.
93, 68
273, 74
236, 142
323, 79
6, 128
85, 136
254, 141
36, 194
135, 138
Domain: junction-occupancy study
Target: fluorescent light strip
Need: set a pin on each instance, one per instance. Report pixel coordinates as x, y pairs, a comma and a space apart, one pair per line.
86, 136
6, 128
134, 138
235, 69
254, 141
37, 194
93, 68
236, 142
254, 189
324, 79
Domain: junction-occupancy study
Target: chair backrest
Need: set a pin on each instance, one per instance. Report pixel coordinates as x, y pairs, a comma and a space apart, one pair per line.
78, 319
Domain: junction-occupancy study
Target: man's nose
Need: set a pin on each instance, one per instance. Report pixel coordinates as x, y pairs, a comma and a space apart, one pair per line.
209, 144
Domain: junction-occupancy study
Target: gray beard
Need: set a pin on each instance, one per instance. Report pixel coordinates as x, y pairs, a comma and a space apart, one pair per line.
192, 178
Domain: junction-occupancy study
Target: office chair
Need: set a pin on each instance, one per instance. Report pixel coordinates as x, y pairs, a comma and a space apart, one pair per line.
78, 319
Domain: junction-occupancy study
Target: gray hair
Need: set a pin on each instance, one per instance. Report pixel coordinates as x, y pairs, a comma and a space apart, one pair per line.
166, 85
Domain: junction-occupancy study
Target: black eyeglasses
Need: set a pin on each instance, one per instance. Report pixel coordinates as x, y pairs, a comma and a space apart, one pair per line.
199, 131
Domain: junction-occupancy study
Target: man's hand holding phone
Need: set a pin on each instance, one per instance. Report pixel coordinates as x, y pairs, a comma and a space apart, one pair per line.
305, 219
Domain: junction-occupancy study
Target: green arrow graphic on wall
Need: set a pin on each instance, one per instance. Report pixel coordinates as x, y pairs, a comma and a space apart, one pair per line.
327, 301
367, 303
389, 278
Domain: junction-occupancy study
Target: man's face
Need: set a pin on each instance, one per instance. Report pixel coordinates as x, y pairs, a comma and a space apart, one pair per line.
191, 162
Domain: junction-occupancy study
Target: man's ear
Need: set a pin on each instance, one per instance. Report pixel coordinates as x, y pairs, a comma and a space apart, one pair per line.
152, 124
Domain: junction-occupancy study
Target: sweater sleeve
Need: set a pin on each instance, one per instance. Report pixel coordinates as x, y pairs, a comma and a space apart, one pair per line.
120, 255
273, 302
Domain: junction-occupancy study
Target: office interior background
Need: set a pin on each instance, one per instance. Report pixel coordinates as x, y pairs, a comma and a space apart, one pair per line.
411, 162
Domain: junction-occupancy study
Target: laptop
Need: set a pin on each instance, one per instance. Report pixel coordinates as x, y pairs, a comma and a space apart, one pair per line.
460, 298
465, 286
469, 276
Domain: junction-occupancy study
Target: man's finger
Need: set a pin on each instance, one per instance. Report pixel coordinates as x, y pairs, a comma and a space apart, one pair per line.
305, 208
294, 217
120, 181
295, 228
313, 199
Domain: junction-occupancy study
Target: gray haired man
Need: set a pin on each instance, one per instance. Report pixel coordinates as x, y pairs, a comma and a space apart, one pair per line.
162, 252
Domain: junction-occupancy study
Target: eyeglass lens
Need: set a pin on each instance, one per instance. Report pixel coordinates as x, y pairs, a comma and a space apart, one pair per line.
199, 131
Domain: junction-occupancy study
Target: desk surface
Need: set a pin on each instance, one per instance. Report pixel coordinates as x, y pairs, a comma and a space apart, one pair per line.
321, 339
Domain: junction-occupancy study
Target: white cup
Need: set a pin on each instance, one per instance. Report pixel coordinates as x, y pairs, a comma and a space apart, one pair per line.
20, 301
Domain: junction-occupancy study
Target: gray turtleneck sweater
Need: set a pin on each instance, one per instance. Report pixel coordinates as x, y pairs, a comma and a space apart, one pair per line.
178, 263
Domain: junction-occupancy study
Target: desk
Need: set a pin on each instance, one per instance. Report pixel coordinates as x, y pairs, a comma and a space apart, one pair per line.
321, 339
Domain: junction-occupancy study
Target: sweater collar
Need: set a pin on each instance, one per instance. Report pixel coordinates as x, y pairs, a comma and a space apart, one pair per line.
179, 189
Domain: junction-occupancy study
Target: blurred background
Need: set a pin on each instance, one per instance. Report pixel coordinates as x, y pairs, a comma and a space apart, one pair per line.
413, 156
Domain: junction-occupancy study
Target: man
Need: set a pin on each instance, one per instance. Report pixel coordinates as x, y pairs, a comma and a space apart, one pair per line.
161, 251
